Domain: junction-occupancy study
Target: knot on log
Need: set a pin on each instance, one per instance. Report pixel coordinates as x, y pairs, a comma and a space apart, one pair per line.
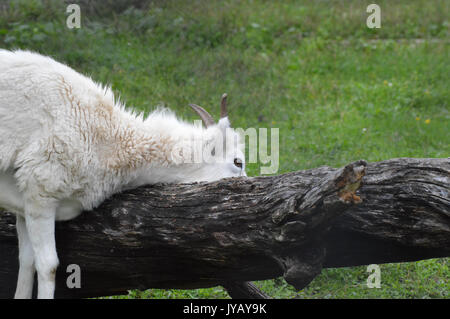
301, 267
350, 181
241, 229
341, 182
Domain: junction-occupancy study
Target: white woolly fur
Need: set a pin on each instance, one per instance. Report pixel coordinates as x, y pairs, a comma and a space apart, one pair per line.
66, 145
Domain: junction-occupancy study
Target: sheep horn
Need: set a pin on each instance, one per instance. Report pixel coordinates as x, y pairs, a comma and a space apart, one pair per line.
223, 106
204, 115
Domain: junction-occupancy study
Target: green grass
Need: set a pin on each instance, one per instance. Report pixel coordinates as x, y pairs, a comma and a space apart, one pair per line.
337, 90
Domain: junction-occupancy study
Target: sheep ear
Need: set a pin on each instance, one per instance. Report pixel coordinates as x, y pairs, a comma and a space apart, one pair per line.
224, 123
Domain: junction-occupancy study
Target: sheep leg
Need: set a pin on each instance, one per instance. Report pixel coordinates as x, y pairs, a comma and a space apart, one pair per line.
25, 279
40, 223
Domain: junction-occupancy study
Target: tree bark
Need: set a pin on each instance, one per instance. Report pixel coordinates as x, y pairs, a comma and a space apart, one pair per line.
244, 229
404, 215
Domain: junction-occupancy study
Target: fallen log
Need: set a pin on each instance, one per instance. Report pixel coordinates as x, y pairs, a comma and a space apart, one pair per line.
241, 229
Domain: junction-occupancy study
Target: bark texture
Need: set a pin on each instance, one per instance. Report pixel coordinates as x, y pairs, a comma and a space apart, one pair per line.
241, 229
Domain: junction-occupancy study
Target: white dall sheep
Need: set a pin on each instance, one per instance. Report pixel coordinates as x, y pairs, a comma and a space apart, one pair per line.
66, 145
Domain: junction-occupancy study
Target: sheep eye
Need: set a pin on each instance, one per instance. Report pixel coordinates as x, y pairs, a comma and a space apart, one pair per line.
238, 162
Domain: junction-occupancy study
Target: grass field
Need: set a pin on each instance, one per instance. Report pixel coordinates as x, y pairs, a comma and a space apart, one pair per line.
337, 90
